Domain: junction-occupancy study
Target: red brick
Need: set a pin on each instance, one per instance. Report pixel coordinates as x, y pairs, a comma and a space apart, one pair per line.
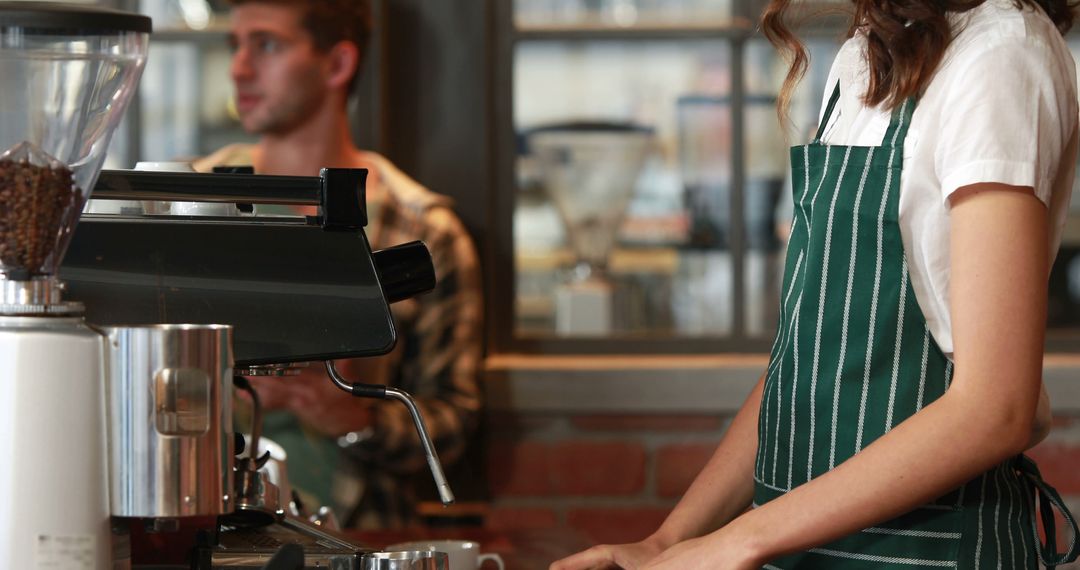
650, 423
503, 425
519, 469
512, 518
678, 465
616, 525
1064, 531
1059, 464
1063, 536
598, 468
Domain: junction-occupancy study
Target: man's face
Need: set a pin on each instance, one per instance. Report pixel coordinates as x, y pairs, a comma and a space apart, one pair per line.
278, 73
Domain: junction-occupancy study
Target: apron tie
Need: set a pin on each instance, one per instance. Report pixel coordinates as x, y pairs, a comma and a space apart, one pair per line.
1048, 498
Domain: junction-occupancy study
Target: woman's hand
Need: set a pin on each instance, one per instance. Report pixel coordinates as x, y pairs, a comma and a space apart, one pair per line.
612, 556
723, 490
721, 550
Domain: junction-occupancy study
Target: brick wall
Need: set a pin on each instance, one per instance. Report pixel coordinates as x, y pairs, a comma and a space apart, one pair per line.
615, 477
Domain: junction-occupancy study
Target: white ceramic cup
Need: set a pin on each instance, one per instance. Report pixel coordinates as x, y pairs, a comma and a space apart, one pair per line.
463, 554
135, 207
164, 166
183, 208
152, 206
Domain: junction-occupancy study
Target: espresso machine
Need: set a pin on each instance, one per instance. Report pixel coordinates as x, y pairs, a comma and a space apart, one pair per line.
118, 360
244, 296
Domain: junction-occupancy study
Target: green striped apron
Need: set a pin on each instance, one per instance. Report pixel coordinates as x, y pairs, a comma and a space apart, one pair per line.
853, 357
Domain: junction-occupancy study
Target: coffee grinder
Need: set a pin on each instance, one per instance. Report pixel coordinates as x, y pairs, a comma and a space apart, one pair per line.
590, 172
68, 73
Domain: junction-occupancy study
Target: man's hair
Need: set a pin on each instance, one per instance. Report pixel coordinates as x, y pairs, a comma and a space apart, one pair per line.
331, 21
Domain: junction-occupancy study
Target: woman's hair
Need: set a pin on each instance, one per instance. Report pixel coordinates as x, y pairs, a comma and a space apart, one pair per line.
905, 41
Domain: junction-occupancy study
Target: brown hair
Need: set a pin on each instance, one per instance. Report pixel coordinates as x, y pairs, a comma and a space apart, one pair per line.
330, 21
905, 41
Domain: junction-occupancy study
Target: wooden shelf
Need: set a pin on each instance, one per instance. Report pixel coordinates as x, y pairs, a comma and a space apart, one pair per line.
709, 29
216, 34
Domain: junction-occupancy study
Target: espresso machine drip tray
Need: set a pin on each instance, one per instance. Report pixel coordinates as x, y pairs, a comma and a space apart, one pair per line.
294, 289
250, 548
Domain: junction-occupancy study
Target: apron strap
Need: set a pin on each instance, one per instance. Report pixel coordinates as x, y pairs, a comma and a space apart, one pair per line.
1048, 498
828, 113
898, 123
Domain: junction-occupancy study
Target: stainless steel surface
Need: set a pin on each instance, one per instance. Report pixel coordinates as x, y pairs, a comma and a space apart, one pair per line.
38, 296
262, 482
42, 291
405, 560
446, 495
170, 420
257, 496
292, 369
277, 472
341, 382
260, 498
252, 548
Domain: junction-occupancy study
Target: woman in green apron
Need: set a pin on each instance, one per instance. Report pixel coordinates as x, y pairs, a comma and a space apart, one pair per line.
905, 378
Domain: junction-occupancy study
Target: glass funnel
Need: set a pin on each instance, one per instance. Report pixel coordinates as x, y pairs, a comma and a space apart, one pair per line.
68, 73
590, 171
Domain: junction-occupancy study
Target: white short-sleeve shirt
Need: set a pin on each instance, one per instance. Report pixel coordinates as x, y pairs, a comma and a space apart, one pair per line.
1002, 107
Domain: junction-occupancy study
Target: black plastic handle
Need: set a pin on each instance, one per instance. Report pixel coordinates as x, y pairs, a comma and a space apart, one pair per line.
376, 391
404, 270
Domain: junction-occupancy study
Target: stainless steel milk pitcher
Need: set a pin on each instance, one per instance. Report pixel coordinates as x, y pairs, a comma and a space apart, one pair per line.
169, 394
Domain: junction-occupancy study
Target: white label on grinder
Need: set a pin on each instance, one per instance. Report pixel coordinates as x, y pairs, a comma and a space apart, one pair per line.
77, 552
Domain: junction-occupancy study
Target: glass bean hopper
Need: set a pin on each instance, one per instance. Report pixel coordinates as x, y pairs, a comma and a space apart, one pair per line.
69, 71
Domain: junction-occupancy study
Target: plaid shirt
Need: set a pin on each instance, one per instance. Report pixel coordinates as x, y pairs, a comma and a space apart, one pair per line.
437, 358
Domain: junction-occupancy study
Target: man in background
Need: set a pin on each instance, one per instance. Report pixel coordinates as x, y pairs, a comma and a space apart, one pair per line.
294, 66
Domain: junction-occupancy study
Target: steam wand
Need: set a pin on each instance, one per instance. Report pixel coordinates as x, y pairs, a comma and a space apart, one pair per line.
385, 392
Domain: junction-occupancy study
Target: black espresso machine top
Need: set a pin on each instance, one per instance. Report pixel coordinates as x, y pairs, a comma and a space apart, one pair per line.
294, 288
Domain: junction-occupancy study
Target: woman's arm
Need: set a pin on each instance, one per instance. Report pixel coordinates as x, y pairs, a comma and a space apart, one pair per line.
725, 486
998, 299
722, 491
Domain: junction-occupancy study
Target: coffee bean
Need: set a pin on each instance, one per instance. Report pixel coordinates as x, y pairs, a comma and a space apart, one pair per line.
34, 206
